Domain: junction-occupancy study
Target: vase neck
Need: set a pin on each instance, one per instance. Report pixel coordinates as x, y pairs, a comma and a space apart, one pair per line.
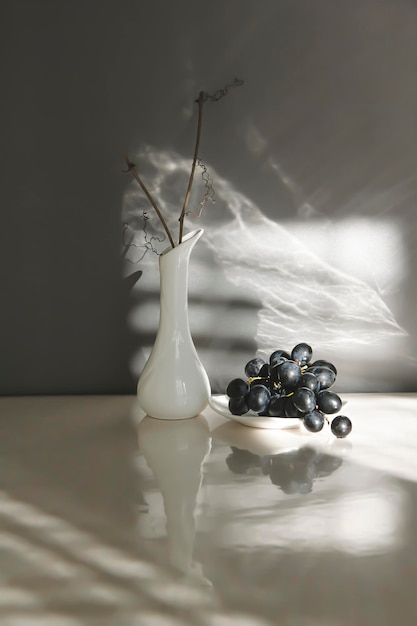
174, 265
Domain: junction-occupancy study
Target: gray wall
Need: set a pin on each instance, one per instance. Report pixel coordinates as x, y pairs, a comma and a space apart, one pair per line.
323, 130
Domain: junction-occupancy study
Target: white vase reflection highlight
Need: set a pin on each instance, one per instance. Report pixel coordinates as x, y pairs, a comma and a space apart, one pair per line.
175, 452
174, 384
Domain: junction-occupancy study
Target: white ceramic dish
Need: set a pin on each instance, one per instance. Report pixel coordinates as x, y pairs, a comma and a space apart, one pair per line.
220, 404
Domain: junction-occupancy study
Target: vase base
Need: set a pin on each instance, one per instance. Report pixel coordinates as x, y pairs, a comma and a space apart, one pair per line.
173, 419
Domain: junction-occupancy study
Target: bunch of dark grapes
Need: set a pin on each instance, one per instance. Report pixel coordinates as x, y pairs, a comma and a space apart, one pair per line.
290, 385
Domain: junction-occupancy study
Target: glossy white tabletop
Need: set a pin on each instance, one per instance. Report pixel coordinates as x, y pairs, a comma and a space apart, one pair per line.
108, 517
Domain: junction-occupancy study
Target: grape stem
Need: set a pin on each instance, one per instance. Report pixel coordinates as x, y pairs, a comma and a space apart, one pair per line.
252, 378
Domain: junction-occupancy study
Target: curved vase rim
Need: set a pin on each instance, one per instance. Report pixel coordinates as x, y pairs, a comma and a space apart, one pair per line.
191, 235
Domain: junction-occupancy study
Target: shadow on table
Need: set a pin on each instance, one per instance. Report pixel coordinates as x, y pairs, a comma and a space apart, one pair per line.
69, 495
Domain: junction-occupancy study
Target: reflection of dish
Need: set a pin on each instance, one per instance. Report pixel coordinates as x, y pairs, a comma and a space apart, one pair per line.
264, 442
220, 404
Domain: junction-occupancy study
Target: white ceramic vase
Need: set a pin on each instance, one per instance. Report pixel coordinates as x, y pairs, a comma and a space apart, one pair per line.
174, 384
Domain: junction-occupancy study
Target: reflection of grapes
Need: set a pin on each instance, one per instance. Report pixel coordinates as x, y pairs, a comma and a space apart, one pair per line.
289, 386
293, 471
241, 460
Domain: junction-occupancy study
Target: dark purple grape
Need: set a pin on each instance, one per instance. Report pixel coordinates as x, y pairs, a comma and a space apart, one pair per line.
276, 407
325, 375
274, 372
290, 408
329, 402
289, 374
314, 421
310, 381
237, 388
302, 353
278, 361
341, 426
238, 406
253, 366
278, 357
323, 363
258, 398
264, 371
304, 399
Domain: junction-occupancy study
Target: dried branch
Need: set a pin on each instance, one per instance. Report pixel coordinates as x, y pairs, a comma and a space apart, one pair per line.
200, 102
131, 167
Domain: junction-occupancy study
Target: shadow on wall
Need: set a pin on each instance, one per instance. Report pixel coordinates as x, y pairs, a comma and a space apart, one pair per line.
257, 285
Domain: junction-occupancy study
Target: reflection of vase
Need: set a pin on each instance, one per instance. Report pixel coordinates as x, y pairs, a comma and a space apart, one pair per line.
175, 452
174, 384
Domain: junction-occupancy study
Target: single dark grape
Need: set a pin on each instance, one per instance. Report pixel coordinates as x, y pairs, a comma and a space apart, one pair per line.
274, 372
302, 353
278, 357
264, 371
325, 375
329, 402
237, 388
341, 426
258, 398
279, 360
238, 406
324, 363
310, 381
276, 407
253, 366
304, 399
289, 374
314, 421
290, 408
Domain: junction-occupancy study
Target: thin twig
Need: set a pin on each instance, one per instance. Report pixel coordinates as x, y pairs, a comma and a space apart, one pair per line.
131, 167
200, 102
221, 93
208, 185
